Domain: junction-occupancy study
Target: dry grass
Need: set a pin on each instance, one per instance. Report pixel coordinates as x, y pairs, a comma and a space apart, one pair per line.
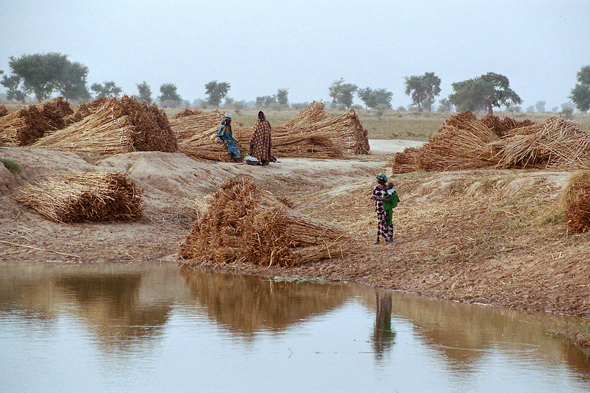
116, 126
245, 224
84, 197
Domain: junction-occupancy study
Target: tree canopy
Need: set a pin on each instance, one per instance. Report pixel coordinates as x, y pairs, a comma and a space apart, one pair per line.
43, 74
580, 94
145, 92
170, 96
216, 92
342, 93
283, 97
423, 89
106, 89
484, 92
374, 99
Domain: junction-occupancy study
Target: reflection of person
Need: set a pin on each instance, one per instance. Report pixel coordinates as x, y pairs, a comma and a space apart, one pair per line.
390, 202
260, 143
383, 333
224, 135
379, 196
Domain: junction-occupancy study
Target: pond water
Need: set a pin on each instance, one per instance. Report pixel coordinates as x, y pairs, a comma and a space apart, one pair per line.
153, 327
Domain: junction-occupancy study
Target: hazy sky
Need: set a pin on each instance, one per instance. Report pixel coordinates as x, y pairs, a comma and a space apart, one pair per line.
304, 46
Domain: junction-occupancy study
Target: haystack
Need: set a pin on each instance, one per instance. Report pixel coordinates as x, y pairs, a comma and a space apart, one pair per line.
246, 224
117, 126
557, 143
187, 124
464, 142
3, 110
82, 197
203, 146
346, 131
28, 124
296, 142
575, 201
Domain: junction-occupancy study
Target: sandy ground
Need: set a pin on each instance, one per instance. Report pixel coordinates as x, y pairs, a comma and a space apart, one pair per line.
482, 236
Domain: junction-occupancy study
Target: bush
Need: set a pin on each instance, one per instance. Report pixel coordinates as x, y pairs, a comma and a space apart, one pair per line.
11, 165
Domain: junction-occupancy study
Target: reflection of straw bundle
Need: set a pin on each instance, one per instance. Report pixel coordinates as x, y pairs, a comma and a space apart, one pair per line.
118, 126
246, 224
464, 142
25, 126
83, 197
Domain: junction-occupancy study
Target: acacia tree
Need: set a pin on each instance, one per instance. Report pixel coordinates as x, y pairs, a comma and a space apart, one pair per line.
106, 89
42, 74
580, 94
484, 92
423, 89
71, 83
282, 97
145, 92
216, 92
379, 98
342, 93
169, 96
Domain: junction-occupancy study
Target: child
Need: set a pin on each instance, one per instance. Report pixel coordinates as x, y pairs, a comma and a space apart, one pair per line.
390, 201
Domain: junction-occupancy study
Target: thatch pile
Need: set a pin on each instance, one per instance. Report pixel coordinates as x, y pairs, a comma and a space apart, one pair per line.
346, 131
187, 124
296, 142
3, 110
83, 197
575, 201
465, 142
117, 126
246, 224
28, 124
557, 143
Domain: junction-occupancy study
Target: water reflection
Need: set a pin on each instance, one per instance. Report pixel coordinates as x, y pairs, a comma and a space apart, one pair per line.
383, 334
247, 305
134, 309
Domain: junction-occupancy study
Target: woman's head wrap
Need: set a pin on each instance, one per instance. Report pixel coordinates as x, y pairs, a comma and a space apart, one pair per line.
381, 177
227, 116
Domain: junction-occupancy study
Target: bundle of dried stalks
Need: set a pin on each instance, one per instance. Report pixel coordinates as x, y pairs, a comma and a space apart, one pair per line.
346, 130
299, 143
557, 143
203, 146
28, 124
80, 112
186, 112
188, 124
246, 224
3, 110
577, 215
313, 113
405, 161
577, 181
454, 148
81, 197
118, 126
461, 120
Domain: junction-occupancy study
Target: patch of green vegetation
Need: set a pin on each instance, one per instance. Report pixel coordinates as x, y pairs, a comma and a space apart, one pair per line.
11, 165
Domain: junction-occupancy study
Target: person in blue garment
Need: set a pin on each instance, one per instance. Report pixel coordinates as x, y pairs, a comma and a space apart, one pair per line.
224, 135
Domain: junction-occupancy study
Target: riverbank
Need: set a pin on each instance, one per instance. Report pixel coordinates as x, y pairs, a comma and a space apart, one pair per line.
493, 237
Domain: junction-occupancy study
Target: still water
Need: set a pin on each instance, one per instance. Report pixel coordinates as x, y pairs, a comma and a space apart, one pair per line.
156, 328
